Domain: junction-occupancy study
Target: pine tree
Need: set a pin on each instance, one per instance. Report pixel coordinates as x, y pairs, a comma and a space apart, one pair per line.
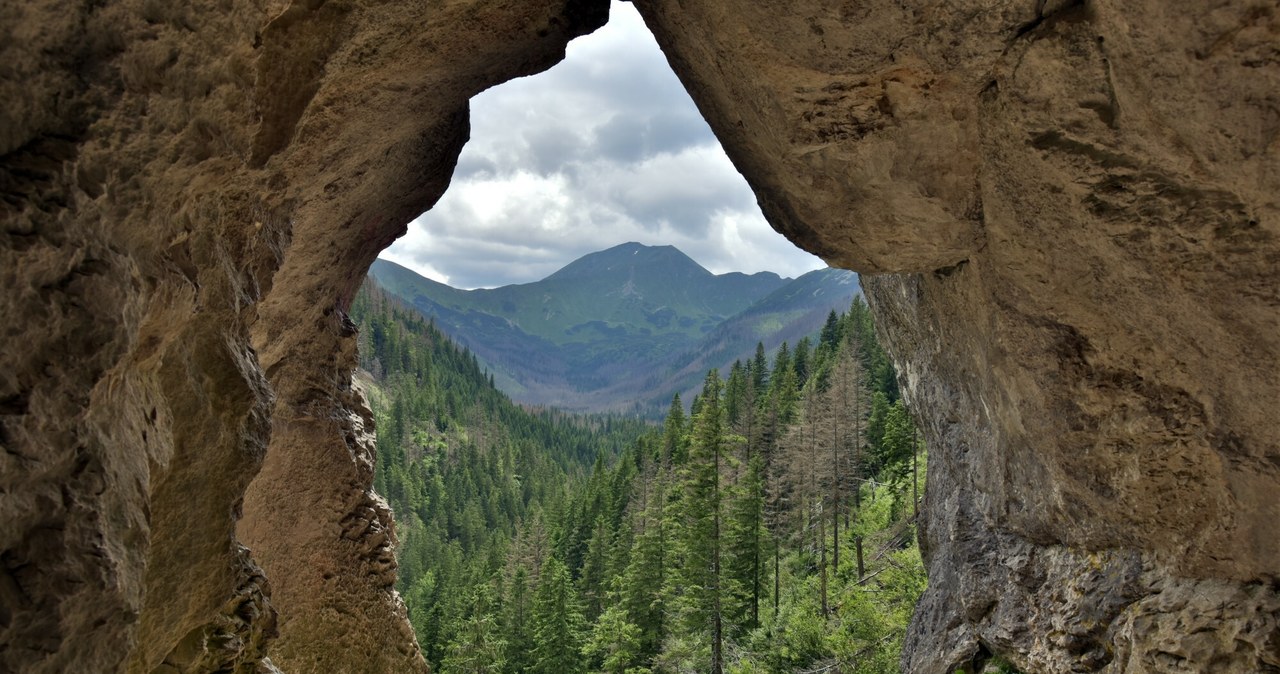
784, 391
477, 648
673, 430
642, 584
702, 609
557, 622
743, 538
518, 623
592, 578
776, 410
735, 395
614, 643
875, 431
896, 451
830, 338
800, 362
760, 371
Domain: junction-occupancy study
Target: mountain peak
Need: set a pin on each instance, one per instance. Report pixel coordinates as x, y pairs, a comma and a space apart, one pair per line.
627, 258
622, 326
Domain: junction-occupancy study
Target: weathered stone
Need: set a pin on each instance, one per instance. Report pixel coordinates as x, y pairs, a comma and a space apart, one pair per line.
192, 193
1072, 206
1084, 194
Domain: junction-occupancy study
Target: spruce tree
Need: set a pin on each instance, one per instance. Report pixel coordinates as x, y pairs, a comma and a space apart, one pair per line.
614, 643
557, 622
592, 578
477, 648
800, 362
642, 584
673, 434
702, 605
830, 338
742, 555
517, 623
760, 371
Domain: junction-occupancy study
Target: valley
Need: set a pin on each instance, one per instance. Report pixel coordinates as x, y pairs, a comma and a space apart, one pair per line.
769, 525
622, 329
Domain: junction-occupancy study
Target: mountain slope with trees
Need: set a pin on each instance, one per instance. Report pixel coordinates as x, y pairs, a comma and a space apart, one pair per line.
621, 329
470, 475
770, 528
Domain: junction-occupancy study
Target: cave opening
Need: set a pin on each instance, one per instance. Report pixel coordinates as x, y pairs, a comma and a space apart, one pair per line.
1071, 230
604, 158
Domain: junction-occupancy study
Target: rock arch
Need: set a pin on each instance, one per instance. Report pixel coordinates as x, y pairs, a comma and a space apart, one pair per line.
1071, 205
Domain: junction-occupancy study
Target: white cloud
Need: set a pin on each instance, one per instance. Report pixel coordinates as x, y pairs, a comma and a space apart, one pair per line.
602, 149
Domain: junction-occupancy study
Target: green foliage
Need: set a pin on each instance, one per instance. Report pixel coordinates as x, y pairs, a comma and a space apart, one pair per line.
517, 622
468, 473
614, 645
744, 549
532, 541
477, 647
623, 327
557, 622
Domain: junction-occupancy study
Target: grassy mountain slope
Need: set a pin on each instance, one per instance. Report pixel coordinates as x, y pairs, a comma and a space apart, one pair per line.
631, 323
788, 314
651, 290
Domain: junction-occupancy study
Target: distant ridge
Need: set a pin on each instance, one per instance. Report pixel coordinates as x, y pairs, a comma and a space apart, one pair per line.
624, 328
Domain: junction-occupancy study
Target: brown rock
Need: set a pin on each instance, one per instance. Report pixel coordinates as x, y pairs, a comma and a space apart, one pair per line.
1076, 202
191, 195
1084, 194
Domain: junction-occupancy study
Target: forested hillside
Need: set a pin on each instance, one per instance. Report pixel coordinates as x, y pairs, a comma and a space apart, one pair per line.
621, 329
770, 529
470, 475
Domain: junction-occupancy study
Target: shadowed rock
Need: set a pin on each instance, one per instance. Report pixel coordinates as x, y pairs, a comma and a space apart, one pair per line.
1071, 207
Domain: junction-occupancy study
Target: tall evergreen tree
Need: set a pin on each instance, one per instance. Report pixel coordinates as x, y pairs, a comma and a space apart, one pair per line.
614, 643
800, 362
517, 623
592, 580
760, 371
673, 449
477, 648
784, 390
830, 338
642, 584
557, 622
702, 608
743, 576
735, 395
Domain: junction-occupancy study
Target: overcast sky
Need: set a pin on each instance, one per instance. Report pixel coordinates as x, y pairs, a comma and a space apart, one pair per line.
602, 149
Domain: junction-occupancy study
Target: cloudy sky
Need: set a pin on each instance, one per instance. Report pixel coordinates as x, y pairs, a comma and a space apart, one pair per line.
603, 149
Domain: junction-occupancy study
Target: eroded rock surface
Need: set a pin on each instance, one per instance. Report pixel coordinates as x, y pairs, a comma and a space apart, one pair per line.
1082, 198
1073, 206
192, 193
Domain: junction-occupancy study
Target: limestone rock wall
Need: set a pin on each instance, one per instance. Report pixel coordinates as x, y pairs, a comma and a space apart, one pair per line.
1079, 202
1071, 205
192, 193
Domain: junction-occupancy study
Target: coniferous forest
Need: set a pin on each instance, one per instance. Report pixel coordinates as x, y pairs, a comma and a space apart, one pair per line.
767, 526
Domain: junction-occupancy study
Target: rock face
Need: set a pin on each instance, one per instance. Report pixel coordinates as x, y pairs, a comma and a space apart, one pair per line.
191, 194
1072, 207
1081, 201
